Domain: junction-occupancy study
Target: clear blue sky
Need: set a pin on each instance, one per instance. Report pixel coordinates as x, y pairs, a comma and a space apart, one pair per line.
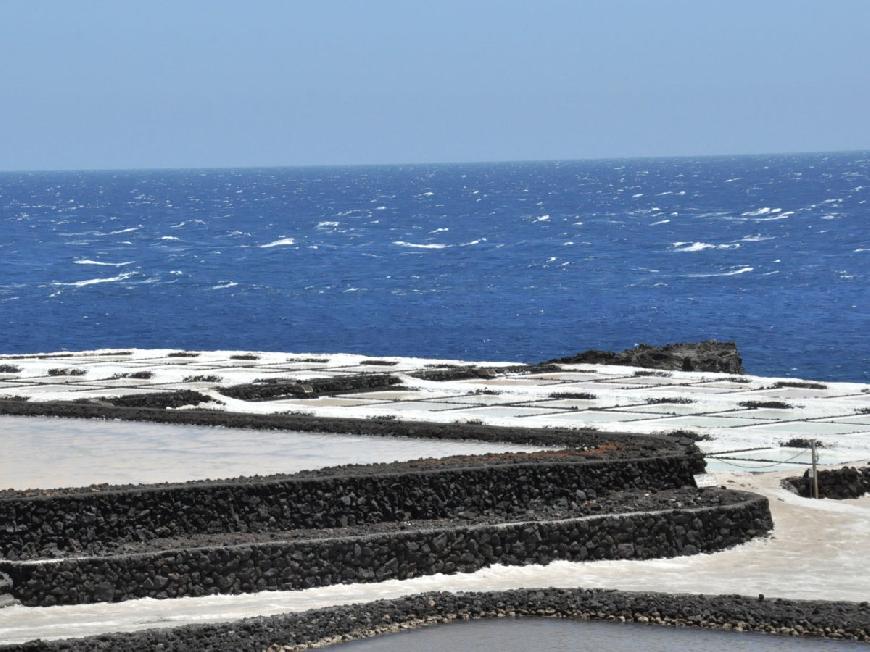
189, 83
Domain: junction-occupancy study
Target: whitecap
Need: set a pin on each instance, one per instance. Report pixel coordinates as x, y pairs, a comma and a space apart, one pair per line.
733, 272
327, 225
169, 237
86, 261
773, 218
428, 193
413, 245
129, 230
659, 222
442, 229
281, 242
757, 237
637, 195
764, 210
687, 247
542, 218
95, 281
861, 250
224, 286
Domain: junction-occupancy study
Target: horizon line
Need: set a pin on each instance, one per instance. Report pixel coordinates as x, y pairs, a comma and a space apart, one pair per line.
650, 157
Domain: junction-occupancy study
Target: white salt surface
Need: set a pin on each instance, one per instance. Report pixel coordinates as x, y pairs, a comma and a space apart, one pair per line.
48, 453
818, 551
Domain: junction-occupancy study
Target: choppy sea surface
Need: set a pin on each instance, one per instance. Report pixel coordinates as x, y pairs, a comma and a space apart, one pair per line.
510, 261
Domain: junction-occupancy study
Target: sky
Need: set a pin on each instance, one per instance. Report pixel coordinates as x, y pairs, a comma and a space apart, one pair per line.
104, 84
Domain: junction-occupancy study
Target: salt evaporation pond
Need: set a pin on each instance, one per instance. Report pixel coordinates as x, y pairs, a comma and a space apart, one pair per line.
48, 453
555, 635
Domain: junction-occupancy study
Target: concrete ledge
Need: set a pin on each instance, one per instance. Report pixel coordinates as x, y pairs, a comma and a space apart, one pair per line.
838, 620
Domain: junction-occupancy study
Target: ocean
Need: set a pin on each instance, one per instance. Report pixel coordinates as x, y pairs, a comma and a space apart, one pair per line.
503, 261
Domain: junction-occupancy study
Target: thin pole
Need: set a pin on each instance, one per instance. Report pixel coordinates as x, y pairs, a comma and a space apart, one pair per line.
815, 470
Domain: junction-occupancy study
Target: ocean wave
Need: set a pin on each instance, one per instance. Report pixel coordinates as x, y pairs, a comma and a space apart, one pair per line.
734, 271
95, 281
87, 261
414, 245
690, 247
281, 242
764, 210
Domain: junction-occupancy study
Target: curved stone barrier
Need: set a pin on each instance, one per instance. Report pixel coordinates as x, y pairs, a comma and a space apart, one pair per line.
383, 427
315, 628
336, 558
61, 522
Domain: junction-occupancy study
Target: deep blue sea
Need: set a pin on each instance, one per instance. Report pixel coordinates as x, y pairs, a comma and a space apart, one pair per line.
510, 261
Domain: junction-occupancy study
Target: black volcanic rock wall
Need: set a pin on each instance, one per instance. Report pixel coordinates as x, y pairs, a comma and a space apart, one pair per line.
297, 631
87, 521
298, 564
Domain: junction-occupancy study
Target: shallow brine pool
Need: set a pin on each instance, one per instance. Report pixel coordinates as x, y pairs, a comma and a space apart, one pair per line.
49, 453
555, 635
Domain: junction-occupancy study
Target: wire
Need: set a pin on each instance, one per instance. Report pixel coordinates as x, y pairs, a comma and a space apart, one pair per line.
763, 466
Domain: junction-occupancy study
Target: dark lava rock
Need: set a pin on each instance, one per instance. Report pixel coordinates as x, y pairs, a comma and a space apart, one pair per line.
161, 400
848, 482
710, 355
272, 389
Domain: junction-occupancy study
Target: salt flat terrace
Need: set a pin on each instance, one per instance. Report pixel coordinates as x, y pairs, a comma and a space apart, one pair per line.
745, 420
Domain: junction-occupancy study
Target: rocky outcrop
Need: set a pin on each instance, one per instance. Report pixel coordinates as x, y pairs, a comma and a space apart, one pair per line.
848, 482
709, 355
271, 389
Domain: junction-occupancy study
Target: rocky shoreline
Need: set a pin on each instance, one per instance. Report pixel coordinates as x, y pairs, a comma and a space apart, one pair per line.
323, 627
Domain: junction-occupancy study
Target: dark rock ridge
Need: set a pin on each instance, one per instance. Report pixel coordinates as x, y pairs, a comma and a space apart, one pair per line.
269, 390
297, 631
369, 523
848, 482
640, 444
158, 400
304, 563
709, 355
85, 522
